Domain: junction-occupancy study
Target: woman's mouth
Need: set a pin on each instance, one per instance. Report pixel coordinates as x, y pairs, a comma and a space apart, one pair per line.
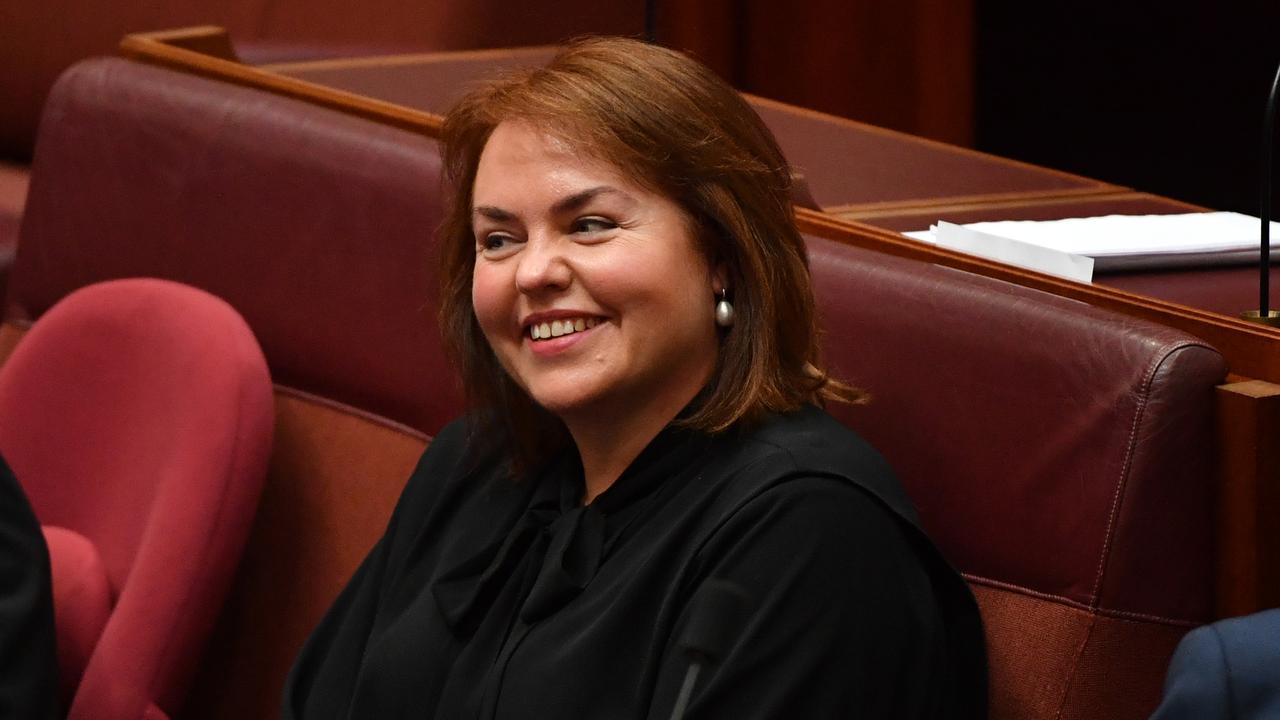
561, 327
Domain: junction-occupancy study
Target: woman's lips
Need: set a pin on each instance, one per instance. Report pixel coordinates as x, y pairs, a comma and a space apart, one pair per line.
569, 334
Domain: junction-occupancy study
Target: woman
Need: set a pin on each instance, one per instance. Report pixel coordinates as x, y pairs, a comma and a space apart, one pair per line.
628, 301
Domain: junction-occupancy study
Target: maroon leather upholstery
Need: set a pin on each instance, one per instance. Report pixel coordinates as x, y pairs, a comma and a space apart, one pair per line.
138, 414
1055, 451
314, 225
1053, 389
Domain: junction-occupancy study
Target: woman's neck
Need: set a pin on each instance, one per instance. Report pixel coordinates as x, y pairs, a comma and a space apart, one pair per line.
608, 445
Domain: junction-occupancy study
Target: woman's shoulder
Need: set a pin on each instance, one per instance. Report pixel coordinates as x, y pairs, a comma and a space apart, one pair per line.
447, 447
808, 444
811, 490
449, 465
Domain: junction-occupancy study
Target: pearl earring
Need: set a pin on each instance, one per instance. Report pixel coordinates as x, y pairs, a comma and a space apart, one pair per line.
724, 310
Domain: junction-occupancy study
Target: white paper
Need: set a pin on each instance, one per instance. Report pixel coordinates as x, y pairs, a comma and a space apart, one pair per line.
1014, 252
1134, 241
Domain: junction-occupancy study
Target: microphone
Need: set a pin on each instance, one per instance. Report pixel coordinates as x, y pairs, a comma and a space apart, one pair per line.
716, 615
1264, 314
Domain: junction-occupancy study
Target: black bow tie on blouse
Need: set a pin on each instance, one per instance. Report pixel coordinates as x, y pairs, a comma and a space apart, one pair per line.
566, 539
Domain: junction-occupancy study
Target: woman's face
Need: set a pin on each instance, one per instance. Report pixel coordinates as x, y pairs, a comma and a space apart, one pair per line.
590, 289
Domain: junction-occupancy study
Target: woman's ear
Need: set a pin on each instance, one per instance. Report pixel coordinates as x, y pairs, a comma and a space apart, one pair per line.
719, 277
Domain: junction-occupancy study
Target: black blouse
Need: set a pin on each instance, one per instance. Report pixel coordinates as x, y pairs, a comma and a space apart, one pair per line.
488, 598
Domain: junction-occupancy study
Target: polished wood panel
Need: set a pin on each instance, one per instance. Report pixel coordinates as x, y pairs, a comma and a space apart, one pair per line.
1249, 476
919, 216
852, 165
430, 82
171, 49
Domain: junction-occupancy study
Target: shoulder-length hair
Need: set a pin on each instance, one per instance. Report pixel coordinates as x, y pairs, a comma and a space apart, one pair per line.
674, 126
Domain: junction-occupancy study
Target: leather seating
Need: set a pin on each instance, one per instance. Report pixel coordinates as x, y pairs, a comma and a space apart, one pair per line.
1062, 458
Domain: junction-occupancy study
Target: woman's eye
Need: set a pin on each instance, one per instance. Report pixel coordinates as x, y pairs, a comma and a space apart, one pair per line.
593, 225
496, 243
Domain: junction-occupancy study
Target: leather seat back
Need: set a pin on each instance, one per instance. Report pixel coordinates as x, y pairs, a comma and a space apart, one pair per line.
314, 225
1061, 456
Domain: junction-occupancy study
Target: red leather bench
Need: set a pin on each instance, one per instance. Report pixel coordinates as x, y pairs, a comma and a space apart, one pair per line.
1060, 455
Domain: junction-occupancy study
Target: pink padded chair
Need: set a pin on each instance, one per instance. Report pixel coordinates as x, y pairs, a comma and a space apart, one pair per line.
137, 414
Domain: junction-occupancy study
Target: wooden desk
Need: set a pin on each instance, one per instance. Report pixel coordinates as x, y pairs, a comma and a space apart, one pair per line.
890, 168
1224, 290
894, 178
903, 218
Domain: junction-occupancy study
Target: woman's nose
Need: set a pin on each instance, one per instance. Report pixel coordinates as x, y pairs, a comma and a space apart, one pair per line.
542, 266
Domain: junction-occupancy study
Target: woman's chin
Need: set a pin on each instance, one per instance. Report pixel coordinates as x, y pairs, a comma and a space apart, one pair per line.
565, 405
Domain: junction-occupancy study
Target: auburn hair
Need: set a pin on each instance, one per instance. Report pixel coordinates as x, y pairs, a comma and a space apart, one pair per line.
676, 128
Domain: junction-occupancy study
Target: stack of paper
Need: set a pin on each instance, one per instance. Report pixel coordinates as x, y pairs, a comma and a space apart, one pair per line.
1114, 242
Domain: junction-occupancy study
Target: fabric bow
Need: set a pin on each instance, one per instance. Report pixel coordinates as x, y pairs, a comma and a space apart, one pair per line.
567, 546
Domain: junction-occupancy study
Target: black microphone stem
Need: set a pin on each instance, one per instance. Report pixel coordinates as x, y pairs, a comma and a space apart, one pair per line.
1268, 133
686, 690
717, 614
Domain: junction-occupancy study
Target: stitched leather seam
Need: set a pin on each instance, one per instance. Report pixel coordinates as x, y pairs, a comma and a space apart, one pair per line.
1166, 353
345, 409
1077, 605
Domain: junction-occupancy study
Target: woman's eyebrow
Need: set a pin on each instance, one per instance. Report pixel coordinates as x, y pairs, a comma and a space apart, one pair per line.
493, 213
564, 205
578, 199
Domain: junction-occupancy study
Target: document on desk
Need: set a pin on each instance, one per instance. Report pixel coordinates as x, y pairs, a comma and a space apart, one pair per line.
1014, 252
1134, 242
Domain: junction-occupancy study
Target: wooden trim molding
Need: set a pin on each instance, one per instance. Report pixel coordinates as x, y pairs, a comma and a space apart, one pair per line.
1013, 201
430, 58
173, 49
1248, 497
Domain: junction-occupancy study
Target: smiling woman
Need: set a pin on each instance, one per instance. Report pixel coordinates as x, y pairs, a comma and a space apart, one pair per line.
628, 301
562, 239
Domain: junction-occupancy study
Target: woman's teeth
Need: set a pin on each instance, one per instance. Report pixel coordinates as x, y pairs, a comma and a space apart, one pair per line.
556, 328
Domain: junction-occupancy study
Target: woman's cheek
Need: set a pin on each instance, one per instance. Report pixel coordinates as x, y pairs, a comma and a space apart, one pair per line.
490, 299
